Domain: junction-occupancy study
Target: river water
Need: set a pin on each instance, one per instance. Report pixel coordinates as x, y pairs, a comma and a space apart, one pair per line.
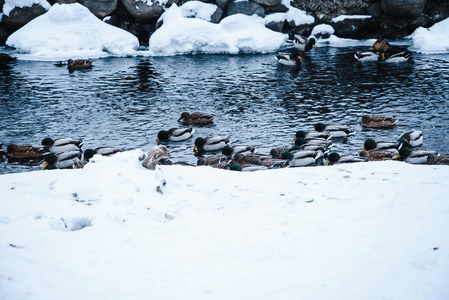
126, 101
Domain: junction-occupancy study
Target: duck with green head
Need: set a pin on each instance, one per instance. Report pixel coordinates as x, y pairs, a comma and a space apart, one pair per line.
231, 151
302, 158
411, 138
210, 144
62, 145
65, 160
175, 135
335, 158
337, 131
302, 43
103, 151
414, 156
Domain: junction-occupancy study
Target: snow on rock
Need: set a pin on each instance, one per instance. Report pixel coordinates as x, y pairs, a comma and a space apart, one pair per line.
432, 40
11, 4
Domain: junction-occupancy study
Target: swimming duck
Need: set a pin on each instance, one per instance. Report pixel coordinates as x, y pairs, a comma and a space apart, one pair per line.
335, 158
232, 151
367, 56
258, 159
156, 155
196, 118
312, 135
65, 160
78, 64
278, 151
371, 144
302, 158
379, 155
337, 131
414, 156
378, 121
247, 168
104, 151
62, 145
381, 45
412, 138
211, 143
175, 134
396, 58
289, 59
215, 161
302, 43
25, 152
438, 159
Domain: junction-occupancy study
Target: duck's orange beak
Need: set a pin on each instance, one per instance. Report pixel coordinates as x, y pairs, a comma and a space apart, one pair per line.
314, 46
194, 148
45, 165
294, 139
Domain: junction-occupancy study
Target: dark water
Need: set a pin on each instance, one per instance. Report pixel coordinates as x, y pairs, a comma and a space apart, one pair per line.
126, 101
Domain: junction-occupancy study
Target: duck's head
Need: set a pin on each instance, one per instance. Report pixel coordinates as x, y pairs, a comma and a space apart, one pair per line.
11, 148
320, 127
163, 136
235, 167
184, 115
333, 158
299, 134
50, 160
199, 143
287, 155
227, 150
404, 152
369, 144
299, 142
403, 143
88, 154
312, 41
47, 142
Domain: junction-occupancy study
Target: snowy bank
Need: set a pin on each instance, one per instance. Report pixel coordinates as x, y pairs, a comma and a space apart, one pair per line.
359, 231
432, 40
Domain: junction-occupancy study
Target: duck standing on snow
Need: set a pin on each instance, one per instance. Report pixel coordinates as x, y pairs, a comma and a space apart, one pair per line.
378, 121
175, 134
412, 138
289, 59
211, 143
196, 118
78, 64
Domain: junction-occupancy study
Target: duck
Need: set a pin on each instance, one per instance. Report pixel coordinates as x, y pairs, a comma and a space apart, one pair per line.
211, 143
414, 156
289, 59
381, 46
215, 161
302, 43
62, 145
65, 160
371, 144
396, 58
278, 151
337, 131
156, 155
258, 159
313, 135
25, 152
196, 118
231, 151
302, 158
103, 151
175, 134
366, 56
378, 121
411, 138
78, 64
313, 144
247, 168
379, 155
438, 159
335, 158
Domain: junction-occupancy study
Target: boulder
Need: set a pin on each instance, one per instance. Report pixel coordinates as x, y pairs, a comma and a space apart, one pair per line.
100, 8
216, 16
143, 10
375, 9
403, 8
245, 7
275, 25
66, 1
222, 3
281, 8
20, 16
268, 2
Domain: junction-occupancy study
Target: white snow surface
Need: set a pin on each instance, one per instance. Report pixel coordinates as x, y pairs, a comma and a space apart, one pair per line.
347, 17
432, 40
11, 4
376, 230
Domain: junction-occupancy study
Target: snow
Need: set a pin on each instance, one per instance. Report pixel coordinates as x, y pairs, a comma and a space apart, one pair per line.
198, 9
432, 40
373, 230
349, 17
11, 4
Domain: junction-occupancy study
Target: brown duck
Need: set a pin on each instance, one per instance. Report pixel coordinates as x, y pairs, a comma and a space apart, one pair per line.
378, 121
25, 152
77, 64
197, 118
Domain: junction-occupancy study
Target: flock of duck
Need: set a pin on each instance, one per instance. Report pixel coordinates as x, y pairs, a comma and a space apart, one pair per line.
311, 148
298, 45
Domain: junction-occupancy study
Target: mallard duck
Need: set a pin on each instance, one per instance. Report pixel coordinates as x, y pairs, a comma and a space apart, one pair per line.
378, 121
314, 145
175, 134
196, 118
335, 158
65, 160
302, 158
25, 152
366, 56
413, 156
216, 161
232, 151
412, 138
77, 64
379, 155
396, 58
211, 143
289, 59
371, 144
381, 46
258, 159
438, 159
247, 168
62, 145
156, 155
312, 135
337, 131
104, 151
302, 43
